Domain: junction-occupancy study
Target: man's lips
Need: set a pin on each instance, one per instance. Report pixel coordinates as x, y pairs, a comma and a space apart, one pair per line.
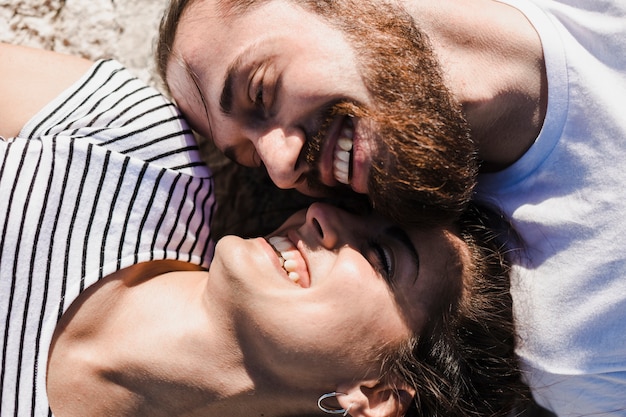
345, 157
336, 153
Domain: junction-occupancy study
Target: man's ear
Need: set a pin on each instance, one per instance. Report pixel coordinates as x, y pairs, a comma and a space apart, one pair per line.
376, 398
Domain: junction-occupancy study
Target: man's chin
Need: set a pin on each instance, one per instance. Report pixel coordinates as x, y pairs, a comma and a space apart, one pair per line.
342, 196
338, 192
312, 192
317, 189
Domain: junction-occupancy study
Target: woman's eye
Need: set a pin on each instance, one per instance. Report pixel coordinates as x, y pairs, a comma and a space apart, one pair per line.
383, 259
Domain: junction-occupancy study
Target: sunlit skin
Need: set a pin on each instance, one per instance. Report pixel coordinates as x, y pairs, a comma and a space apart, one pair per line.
298, 76
346, 289
243, 332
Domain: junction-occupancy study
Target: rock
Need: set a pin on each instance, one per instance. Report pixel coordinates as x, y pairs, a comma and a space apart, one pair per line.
122, 29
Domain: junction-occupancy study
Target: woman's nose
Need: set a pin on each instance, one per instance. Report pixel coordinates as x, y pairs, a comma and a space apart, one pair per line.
280, 149
325, 224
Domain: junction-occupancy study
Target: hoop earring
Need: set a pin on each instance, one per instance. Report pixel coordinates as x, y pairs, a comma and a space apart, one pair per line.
342, 411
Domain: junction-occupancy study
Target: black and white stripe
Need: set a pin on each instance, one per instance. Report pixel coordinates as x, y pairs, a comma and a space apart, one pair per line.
106, 176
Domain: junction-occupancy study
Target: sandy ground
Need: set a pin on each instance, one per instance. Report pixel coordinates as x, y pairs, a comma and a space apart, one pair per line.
121, 29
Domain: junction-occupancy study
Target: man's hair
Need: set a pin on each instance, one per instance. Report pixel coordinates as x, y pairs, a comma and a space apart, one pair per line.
463, 362
167, 35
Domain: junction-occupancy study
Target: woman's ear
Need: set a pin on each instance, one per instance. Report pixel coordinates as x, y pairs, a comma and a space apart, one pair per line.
376, 398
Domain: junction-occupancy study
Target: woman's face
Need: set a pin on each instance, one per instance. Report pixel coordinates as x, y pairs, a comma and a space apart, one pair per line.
317, 298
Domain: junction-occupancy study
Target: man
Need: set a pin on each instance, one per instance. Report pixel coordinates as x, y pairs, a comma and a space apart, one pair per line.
325, 94
290, 99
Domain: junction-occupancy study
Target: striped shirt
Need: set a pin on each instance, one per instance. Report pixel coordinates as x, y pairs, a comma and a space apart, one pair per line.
105, 176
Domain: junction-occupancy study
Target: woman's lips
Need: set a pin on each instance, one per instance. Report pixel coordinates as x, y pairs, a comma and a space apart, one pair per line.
291, 260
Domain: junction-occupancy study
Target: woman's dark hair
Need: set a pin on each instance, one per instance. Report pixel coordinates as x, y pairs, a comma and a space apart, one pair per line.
463, 363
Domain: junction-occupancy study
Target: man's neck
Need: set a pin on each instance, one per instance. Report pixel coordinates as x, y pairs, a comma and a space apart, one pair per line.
492, 62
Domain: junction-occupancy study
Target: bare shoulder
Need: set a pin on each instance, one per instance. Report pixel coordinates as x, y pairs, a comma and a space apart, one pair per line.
29, 79
108, 337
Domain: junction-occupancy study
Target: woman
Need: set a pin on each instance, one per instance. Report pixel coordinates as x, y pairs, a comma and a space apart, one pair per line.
98, 172
332, 313
270, 327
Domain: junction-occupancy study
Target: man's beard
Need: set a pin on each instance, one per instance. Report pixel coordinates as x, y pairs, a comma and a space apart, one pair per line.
425, 165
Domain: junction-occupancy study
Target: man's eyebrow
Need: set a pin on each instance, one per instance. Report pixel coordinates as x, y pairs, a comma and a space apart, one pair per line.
228, 90
228, 94
401, 236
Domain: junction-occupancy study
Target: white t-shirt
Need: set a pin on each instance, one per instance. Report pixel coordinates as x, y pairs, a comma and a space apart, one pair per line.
567, 199
105, 176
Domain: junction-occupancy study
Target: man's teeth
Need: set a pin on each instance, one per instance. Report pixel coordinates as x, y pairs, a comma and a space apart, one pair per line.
287, 256
343, 149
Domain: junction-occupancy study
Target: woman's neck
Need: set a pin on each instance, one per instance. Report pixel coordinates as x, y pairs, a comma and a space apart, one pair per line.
141, 339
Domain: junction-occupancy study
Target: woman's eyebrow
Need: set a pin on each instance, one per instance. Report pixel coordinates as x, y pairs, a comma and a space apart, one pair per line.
401, 236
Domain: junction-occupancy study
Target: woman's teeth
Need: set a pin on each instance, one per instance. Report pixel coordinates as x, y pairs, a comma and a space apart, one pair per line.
287, 252
343, 150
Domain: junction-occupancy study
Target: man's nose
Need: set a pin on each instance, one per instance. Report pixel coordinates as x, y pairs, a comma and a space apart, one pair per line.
324, 221
280, 149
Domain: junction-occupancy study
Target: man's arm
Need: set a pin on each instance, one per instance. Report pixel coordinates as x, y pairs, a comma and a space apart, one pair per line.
29, 79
